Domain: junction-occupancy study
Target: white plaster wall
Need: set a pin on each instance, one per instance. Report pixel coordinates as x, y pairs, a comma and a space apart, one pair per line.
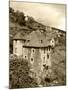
25, 53
17, 44
19, 48
14, 46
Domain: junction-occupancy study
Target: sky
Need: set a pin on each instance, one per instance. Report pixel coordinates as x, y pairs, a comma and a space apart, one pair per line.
48, 14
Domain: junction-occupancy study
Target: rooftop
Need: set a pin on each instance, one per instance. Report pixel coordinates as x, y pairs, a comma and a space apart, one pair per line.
37, 39
34, 39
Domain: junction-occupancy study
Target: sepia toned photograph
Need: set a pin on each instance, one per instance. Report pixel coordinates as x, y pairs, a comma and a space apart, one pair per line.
37, 44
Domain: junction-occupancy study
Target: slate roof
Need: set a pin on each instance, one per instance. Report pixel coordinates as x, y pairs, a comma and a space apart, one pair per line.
19, 36
37, 39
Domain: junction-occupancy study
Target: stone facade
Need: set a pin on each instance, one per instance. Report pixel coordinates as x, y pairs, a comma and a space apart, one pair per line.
37, 53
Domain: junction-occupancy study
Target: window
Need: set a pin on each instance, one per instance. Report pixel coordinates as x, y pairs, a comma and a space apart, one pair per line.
44, 51
41, 41
28, 40
31, 60
15, 50
16, 41
25, 56
33, 50
49, 48
24, 41
46, 67
43, 58
47, 56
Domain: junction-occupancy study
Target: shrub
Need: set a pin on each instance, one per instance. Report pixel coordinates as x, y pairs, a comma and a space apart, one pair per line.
18, 74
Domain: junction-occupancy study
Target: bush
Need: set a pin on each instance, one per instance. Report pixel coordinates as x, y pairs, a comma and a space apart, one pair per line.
18, 74
58, 65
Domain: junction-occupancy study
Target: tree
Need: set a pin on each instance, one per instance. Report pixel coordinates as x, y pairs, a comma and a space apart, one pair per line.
11, 10
19, 73
20, 18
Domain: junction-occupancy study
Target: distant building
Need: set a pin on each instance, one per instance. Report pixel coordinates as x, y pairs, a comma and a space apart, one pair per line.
36, 48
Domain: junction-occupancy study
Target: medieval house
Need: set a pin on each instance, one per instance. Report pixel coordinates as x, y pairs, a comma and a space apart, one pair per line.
36, 48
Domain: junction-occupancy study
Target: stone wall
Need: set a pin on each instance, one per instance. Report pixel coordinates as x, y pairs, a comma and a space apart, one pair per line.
37, 57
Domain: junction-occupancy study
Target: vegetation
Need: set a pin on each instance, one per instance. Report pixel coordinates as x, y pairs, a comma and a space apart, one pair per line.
19, 69
19, 73
59, 64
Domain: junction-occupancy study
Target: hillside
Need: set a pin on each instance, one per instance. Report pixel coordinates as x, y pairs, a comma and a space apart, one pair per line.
19, 23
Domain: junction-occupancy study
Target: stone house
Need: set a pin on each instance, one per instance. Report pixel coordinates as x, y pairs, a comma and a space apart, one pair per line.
36, 48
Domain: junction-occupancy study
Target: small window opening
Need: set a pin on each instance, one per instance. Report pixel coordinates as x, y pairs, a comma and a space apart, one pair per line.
41, 41
33, 50
46, 67
28, 40
32, 59
16, 41
15, 50
44, 51
47, 56
44, 58
25, 56
52, 41
49, 48
24, 41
